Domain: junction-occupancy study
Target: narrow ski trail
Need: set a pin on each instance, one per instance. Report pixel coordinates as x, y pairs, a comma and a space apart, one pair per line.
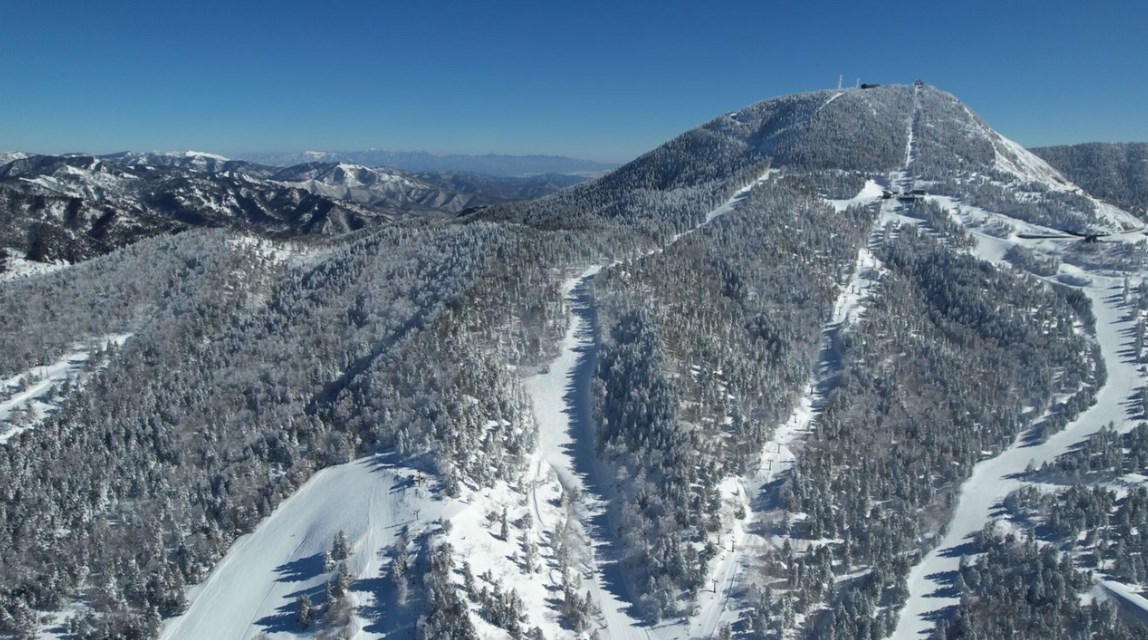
563, 410
993, 479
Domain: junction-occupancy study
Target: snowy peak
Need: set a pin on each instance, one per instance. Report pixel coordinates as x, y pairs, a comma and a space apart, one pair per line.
951, 138
9, 156
343, 174
188, 160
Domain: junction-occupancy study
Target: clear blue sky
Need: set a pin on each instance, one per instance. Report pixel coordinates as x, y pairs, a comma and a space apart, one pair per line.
588, 79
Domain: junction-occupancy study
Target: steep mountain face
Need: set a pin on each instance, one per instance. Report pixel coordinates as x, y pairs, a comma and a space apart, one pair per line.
732, 388
1115, 172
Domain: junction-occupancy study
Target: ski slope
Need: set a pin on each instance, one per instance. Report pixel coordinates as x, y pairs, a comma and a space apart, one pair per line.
747, 536
565, 456
995, 478
28, 394
253, 589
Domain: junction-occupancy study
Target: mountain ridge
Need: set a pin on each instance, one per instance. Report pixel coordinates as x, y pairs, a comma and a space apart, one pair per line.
73, 207
1113, 171
502, 165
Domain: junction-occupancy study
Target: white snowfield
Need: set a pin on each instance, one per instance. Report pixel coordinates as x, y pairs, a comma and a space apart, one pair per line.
253, 589
25, 397
16, 266
565, 466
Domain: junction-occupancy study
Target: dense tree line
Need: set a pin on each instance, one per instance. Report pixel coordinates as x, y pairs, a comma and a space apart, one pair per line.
1115, 172
913, 411
244, 376
1020, 588
1100, 523
707, 346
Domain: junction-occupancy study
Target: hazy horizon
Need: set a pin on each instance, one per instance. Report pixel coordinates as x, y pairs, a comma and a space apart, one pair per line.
592, 81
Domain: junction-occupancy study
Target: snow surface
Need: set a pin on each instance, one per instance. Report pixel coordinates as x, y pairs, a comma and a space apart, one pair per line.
566, 465
253, 589
29, 391
16, 266
1131, 600
1025, 165
199, 154
869, 193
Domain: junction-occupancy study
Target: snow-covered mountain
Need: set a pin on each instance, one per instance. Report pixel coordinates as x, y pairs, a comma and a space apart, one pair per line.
73, 207
774, 379
9, 156
373, 187
497, 165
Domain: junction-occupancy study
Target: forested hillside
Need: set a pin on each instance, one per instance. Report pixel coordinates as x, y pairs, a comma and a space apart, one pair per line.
1115, 172
71, 208
778, 354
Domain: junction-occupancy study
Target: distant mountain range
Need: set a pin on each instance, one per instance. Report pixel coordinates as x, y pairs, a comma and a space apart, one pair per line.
488, 164
74, 207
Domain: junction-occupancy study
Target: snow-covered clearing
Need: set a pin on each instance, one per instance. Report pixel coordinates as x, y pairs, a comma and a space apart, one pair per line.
25, 398
868, 194
735, 199
16, 266
1133, 602
979, 222
253, 589
566, 468
995, 478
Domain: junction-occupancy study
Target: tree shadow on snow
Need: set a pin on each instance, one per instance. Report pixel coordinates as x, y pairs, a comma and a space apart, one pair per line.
411, 474
937, 615
283, 620
946, 582
300, 570
967, 548
381, 611
607, 549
